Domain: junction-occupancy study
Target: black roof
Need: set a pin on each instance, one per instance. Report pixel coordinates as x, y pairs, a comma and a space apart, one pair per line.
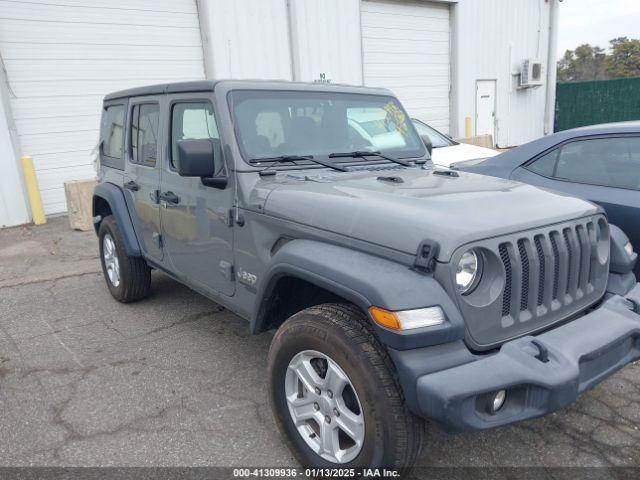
162, 88
631, 126
209, 85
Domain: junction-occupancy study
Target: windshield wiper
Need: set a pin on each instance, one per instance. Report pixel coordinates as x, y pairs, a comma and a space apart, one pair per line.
365, 154
295, 158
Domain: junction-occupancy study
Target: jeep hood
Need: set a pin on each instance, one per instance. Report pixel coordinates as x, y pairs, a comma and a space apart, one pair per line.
415, 204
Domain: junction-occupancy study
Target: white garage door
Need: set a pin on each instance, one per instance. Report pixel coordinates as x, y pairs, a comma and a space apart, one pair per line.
63, 56
406, 48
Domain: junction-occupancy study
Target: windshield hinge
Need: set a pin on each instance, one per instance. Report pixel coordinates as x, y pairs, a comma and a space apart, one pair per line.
425, 261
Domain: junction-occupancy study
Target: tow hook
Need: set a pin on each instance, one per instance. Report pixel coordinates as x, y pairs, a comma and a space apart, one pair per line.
543, 353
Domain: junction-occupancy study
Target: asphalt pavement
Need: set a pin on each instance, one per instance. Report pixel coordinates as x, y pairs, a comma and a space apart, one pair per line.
176, 380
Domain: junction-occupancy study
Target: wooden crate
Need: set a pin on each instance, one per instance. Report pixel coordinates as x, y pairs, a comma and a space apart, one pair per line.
79, 195
480, 141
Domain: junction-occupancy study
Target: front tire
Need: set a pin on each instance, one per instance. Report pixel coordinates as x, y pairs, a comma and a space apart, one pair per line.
128, 278
335, 395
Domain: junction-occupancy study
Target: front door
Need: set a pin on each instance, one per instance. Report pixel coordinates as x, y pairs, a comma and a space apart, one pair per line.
486, 108
196, 232
142, 175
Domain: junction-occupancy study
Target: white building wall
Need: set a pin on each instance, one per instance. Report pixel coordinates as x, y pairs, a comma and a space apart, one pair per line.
491, 39
60, 65
326, 40
246, 39
62, 57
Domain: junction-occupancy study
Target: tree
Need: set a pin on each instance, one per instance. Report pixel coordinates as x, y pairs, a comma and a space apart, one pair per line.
624, 60
566, 72
593, 63
583, 63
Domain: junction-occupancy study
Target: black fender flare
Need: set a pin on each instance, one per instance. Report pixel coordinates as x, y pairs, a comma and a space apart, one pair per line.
620, 261
364, 280
114, 196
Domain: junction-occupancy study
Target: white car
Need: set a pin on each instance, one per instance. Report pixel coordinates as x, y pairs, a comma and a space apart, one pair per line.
446, 150
371, 129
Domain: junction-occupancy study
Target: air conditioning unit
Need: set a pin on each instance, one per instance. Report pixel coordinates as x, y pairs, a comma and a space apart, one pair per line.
531, 74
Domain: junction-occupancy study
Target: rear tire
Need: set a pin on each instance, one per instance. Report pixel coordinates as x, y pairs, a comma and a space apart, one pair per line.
128, 278
340, 335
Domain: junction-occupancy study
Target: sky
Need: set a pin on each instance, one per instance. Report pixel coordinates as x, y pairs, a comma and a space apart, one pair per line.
596, 22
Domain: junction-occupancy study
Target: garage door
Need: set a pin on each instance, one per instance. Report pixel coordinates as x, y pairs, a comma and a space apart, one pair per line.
406, 48
63, 56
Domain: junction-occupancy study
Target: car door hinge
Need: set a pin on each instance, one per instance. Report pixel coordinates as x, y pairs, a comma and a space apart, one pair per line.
156, 196
234, 217
227, 271
158, 238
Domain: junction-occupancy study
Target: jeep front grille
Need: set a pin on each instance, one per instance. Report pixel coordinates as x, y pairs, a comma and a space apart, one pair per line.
547, 275
570, 257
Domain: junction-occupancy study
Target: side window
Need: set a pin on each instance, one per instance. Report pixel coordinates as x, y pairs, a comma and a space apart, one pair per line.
112, 131
546, 164
612, 162
144, 134
192, 120
437, 139
634, 149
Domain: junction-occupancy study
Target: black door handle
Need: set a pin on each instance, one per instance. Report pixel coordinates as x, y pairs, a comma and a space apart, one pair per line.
170, 197
133, 186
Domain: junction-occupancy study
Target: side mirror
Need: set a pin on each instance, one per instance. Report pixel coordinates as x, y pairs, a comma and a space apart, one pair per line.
427, 143
202, 158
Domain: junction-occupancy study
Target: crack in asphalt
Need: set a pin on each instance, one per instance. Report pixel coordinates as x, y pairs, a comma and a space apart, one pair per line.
133, 425
190, 318
53, 280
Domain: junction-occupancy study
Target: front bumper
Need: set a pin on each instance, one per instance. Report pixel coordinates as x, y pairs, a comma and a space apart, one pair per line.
581, 353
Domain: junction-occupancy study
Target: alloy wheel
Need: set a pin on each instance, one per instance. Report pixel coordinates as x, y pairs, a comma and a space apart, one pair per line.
324, 406
111, 263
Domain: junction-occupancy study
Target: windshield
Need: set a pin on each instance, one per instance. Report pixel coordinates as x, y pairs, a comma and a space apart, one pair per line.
273, 124
437, 139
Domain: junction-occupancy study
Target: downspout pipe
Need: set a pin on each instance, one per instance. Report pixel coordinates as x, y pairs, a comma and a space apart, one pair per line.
550, 100
204, 19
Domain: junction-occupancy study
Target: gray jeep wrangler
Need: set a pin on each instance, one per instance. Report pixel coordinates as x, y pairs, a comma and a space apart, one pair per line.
397, 291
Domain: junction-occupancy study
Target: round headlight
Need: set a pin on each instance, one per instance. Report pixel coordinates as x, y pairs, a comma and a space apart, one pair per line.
468, 272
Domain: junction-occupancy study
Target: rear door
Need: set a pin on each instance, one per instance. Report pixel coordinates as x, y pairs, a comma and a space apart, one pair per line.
142, 173
196, 231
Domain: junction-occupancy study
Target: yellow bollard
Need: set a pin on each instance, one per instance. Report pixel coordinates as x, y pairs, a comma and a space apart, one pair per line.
31, 181
467, 127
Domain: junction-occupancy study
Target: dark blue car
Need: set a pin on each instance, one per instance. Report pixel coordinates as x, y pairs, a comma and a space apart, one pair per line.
600, 163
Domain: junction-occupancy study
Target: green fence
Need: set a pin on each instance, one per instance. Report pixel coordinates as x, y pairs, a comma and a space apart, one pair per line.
600, 101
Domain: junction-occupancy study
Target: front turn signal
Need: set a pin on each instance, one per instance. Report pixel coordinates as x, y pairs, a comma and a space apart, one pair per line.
408, 319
